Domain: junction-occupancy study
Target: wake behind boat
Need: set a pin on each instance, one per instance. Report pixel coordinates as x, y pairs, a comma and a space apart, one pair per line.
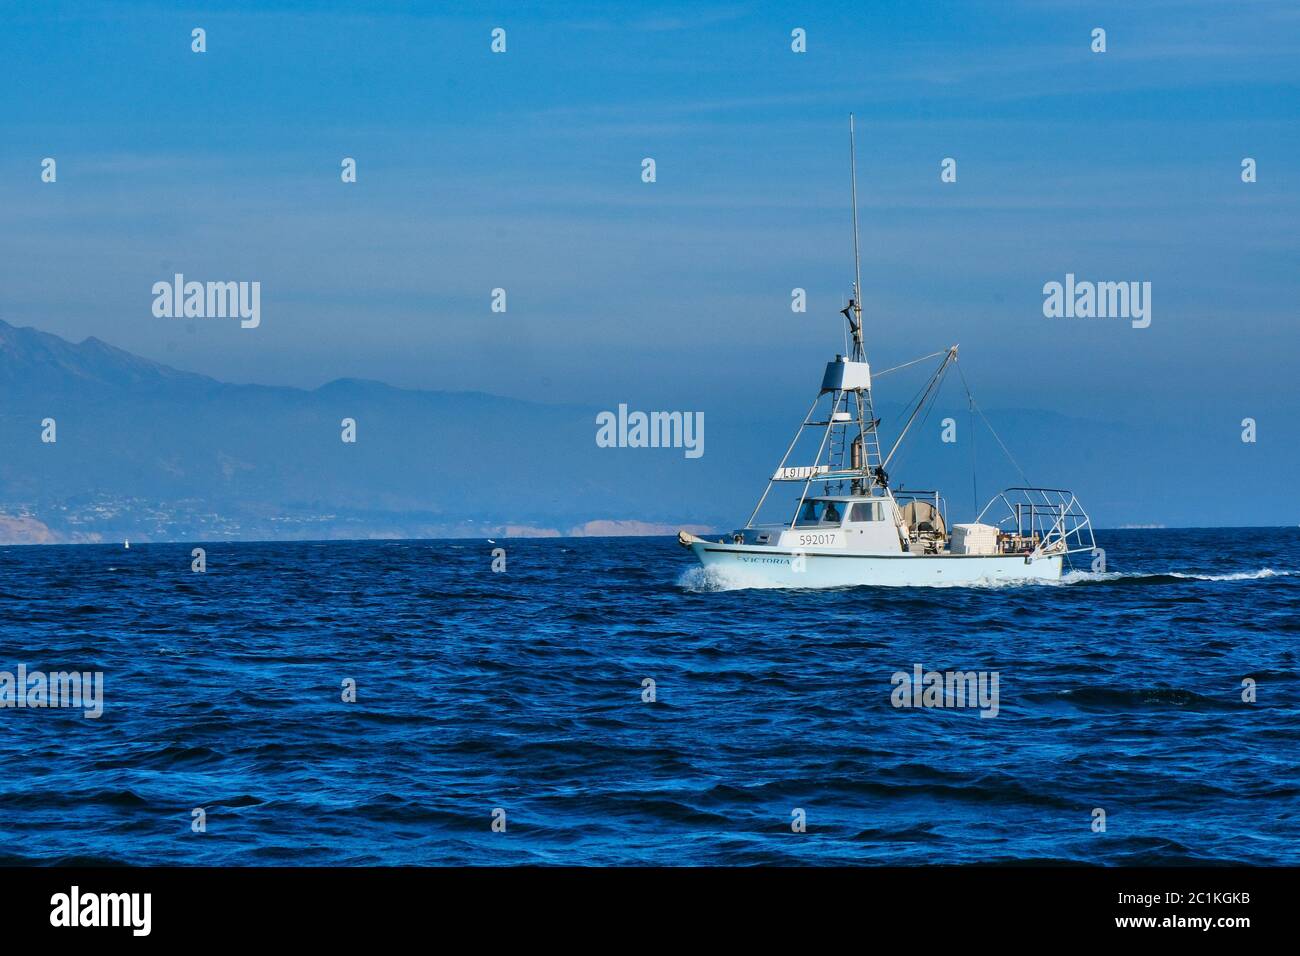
858, 530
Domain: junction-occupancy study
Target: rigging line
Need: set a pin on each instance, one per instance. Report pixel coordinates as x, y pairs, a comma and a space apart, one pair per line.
906, 364
931, 390
929, 406
902, 452
919, 395
835, 404
990, 427
974, 470
784, 458
915, 400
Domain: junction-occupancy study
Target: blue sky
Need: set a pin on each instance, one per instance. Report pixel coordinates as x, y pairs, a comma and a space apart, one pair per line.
522, 171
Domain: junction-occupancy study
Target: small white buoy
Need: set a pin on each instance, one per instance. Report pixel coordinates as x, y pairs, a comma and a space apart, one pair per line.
127, 545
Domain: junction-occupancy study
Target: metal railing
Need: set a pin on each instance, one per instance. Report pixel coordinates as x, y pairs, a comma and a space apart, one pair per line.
1047, 521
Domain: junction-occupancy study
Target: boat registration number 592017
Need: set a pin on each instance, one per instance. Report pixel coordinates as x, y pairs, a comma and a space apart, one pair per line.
823, 537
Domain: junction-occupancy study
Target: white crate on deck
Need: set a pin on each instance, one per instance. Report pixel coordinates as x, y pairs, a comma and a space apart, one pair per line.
974, 539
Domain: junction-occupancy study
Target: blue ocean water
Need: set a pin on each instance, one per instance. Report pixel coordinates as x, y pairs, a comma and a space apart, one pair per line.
522, 690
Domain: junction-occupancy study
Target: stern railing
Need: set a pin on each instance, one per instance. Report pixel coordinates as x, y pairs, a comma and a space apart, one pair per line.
1046, 521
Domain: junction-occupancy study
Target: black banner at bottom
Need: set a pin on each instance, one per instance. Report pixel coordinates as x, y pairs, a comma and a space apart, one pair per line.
338, 905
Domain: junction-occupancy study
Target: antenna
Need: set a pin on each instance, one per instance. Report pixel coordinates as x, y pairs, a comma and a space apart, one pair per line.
856, 326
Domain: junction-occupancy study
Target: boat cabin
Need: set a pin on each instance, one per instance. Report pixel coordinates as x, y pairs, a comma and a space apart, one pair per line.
859, 523
841, 510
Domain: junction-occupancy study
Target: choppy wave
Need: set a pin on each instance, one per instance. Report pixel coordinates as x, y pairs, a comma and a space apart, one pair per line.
624, 706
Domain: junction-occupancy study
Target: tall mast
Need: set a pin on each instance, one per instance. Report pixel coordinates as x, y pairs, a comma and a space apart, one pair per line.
855, 321
848, 383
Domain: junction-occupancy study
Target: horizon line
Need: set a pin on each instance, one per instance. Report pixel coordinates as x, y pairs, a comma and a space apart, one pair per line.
529, 537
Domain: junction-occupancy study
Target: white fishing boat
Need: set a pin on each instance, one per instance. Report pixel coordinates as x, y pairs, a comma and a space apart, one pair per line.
857, 529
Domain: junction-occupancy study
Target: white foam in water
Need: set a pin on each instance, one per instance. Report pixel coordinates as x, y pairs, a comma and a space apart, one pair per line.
1079, 577
705, 580
1236, 576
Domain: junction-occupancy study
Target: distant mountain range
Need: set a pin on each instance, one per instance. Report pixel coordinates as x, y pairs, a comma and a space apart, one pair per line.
148, 452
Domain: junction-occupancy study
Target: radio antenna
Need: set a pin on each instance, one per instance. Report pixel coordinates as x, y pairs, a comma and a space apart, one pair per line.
855, 320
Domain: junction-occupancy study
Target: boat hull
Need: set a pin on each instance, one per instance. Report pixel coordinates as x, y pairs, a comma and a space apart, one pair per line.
746, 565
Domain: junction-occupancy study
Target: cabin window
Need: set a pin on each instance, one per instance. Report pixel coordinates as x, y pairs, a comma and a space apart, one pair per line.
821, 512
863, 511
